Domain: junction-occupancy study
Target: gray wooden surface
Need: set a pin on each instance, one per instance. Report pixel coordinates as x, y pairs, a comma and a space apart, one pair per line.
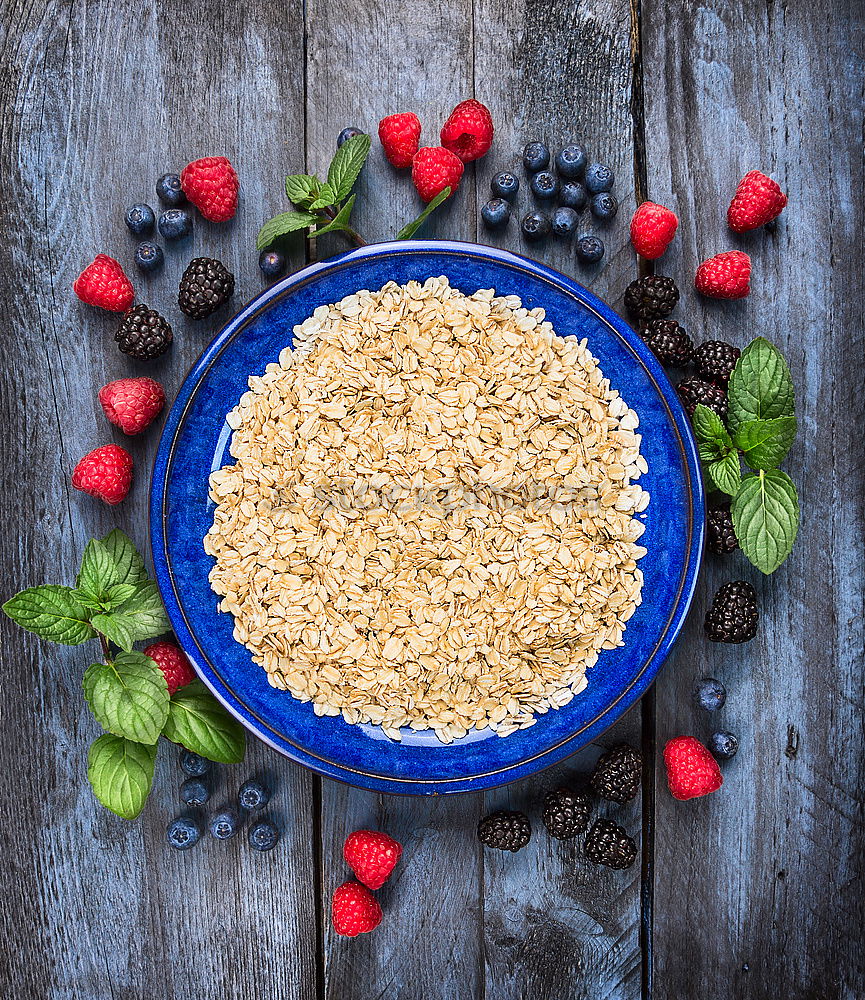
754, 892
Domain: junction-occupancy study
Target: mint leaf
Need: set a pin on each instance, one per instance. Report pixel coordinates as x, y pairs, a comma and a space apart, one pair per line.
129, 564
339, 221
142, 616
713, 440
117, 628
119, 594
766, 518
325, 198
765, 443
282, 225
128, 697
408, 231
121, 773
346, 165
761, 387
98, 570
302, 189
53, 613
725, 473
198, 722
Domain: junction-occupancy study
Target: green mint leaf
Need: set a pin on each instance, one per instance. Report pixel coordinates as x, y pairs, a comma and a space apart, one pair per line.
282, 225
302, 189
128, 697
129, 564
121, 773
117, 628
53, 613
198, 722
88, 601
339, 221
725, 473
142, 616
98, 570
325, 199
109, 601
713, 441
346, 166
761, 387
766, 518
765, 443
408, 231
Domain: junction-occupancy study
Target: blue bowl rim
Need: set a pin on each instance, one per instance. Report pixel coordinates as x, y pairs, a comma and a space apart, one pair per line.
400, 785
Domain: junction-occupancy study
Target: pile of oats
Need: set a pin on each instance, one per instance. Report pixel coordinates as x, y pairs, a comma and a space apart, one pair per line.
430, 521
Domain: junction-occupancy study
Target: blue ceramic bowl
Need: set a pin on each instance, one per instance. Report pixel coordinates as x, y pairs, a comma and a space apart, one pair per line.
195, 441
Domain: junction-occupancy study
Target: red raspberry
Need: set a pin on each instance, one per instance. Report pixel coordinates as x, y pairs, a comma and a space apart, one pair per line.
724, 276
435, 168
172, 661
758, 200
105, 473
132, 403
104, 284
691, 769
211, 185
469, 130
372, 856
354, 910
400, 137
652, 229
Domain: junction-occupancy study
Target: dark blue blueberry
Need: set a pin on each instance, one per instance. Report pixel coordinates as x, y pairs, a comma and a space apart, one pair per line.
192, 764
573, 195
599, 178
496, 213
253, 795
544, 185
535, 226
590, 248
225, 824
571, 162
536, 156
175, 224
710, 694
272, 263
564, 221
194, 792
505, 184
604, 206
723, 745
347, 133
140, 220
183, 833
148, 256
263, 836
169, 191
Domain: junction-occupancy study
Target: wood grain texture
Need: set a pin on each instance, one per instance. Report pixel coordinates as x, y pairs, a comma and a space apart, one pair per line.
763, 879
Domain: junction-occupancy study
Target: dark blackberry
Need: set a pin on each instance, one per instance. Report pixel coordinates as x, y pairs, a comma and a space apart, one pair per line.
693, 391
720, 533
669, 342
733, 615
608, 844
716, 360
144, 334
206, 284
566, 813
652, 297
618, 774
506, 831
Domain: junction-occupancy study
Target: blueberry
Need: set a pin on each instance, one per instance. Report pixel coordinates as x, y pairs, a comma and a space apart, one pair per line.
175, 224
148, 256
225, 824
599, 178
505, 184
263, 836
536, 156
604, 206
536, 226
272, 263
544, 185
192, 764
194, 792
347, 133
169, 191
140, 220
571, 161
590, 248
573, 195
564, 221
252, 796
723, 744
183, 833
710, 694
496, 213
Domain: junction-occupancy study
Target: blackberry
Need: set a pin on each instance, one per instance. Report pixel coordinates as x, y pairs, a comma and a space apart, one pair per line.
720, 533
566, 813
144, 334
693, 391
733, 615
506, 831
669, 342
206, 284
608, 844
618, 774
716, 360
652, 297
723, 744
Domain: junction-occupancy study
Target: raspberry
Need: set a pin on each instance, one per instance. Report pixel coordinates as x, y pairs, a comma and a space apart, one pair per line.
691, 770
211, 185
506, 831
132, 403
566, 813
354, 910
694, 392
400, 137
725, 276
372, 856
104, 284
468, 132
715, 361
758, 200
669, 342
608, 844
173, 663
652, 297
652, 229
435, 168
105, 473
733, 615
618, 774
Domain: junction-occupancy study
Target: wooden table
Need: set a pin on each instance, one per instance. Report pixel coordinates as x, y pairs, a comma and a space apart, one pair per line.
754, 892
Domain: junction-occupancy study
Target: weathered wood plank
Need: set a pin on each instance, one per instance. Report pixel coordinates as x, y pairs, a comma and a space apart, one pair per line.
758, 887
